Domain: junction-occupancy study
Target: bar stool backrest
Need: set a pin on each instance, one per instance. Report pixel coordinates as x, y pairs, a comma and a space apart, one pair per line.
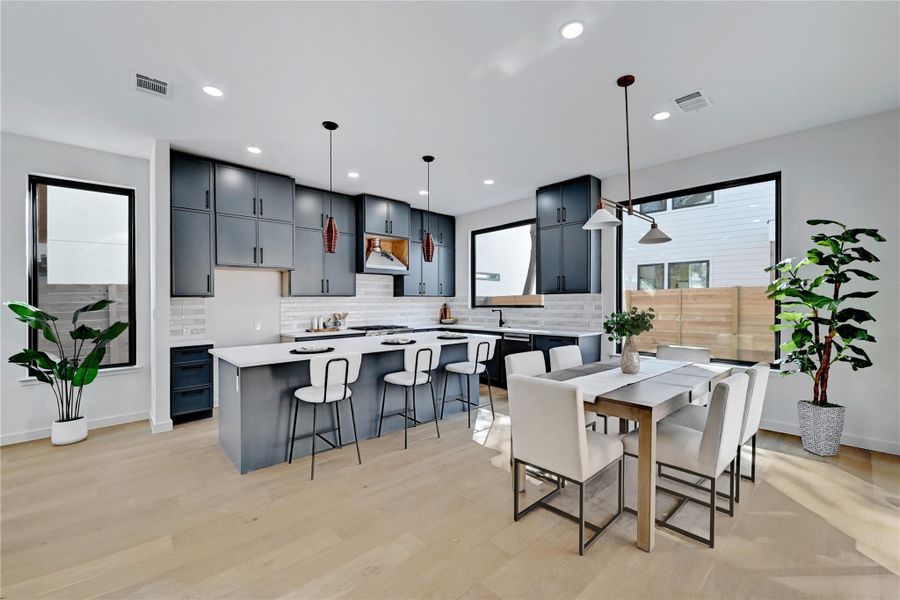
334, 368
422, 358
723, 424
565, 357
480, 351
526, 363
686, 353
756, 397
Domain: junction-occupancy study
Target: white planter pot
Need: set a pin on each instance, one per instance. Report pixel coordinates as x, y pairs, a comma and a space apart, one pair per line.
68, 432
821, 427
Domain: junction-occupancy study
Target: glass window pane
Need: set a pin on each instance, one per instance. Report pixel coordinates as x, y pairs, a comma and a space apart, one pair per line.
505, 266
653, 206
692, 200
709, 287
83, 249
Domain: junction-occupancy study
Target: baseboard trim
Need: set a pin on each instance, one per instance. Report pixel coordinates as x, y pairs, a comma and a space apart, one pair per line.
162, 426
847, 440
44, 432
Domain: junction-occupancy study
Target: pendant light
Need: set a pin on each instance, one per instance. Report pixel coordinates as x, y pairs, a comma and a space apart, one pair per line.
603, 218
428, 242
330, 232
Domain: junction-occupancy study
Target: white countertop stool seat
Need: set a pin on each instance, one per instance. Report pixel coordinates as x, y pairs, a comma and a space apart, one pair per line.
706, 454
478, 353
695, 417
419, 361
566, 357
547, 421
330, 377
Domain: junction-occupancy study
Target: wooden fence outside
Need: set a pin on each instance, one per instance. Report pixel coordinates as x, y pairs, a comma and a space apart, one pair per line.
733, 322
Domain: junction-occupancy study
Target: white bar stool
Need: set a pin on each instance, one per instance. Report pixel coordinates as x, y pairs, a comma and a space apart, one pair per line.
418, 364
324, 371
478, 353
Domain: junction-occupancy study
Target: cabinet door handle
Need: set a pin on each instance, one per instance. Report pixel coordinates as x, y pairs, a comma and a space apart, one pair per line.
564, 213
208, 283
322, 285
441, 288
327, 286
391, 230
254, 255
261, 207
192, 367
261, 261
321, 219
564, 282
386, 230
207, 198
557, 215
253, 205
557, 283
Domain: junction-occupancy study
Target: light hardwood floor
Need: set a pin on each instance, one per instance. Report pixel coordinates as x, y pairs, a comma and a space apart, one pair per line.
131, 514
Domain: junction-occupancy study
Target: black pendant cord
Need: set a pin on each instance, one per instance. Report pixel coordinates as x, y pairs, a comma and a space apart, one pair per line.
331, 171
428, 189
628, 152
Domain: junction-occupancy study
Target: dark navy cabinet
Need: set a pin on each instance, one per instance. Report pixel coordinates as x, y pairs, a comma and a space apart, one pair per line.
385, 217
191, 378
236, 191
589, 346
192, 181
435, 278
568, 255
192, 226
312, 207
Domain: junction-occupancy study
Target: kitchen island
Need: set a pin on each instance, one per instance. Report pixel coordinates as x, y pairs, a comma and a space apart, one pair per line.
256, 387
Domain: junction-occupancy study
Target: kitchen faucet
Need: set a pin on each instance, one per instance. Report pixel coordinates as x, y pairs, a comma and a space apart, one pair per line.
502, 322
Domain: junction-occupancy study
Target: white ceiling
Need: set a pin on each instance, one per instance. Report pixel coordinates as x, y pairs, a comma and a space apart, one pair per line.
491, 89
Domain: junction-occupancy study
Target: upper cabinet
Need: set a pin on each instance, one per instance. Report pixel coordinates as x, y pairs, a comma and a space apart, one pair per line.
442, 227
312, 207
385, 217
568, 256
192, 226
246, 193
275, 194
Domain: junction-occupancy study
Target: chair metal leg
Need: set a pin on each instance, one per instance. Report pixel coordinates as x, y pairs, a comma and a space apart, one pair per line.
621, 484
294, 430
752, 460
444, 397
383, 396
312, 462
434, 404
406, 414
712, 513
355, 435
581, 519
605, 424
594, 426
737, 484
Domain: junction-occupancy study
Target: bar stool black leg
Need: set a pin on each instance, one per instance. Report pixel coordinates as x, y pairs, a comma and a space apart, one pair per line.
406, 414
468, 383
383, 396
355, 435
434, 404
312, 463
294, 430
490, 395
337, 419
444, 397
415, 419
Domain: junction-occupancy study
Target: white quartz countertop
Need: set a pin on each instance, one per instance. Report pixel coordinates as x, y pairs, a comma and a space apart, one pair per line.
271, 354
557, 332
188, 343
302, 333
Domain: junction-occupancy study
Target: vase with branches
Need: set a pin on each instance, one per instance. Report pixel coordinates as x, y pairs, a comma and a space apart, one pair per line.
624, 327
824, 330
68, 371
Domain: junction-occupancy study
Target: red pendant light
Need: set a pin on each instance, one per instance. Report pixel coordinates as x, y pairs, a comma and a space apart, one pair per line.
330, 232
428, 242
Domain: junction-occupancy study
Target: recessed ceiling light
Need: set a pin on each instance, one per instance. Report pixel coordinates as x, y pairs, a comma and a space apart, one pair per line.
253, 150
353, 175
571, 30
661, 116
423, 192
488, 182
212, 91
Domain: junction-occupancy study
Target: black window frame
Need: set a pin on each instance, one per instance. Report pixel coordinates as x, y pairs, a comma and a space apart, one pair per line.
472, 270
33, 279
712, 187
638, 273
712, 199
685, 262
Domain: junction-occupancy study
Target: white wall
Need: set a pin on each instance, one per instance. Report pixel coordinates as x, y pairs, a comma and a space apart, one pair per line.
849, 172
27, 408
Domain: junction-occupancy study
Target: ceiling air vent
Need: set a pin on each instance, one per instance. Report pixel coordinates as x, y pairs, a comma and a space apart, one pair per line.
142, 83
693, 101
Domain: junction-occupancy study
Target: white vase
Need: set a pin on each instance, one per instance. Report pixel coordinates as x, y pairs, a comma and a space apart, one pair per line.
68, 432
631, 360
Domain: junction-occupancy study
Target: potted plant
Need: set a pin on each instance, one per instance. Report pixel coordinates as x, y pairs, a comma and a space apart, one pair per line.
823, 329
66, 373
625, 326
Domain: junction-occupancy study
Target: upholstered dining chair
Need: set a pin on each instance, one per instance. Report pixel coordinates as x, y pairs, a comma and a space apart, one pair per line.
566, 357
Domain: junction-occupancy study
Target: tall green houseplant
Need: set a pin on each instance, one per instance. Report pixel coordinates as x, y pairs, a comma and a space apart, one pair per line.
823, 329
67, 372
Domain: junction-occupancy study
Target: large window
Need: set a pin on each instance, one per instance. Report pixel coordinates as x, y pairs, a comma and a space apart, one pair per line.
503, 266
707, 286
83, 251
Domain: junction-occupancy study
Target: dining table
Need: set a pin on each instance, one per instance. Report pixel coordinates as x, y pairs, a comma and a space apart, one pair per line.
658, 389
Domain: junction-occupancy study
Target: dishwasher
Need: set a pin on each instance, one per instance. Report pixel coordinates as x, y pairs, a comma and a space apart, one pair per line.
511, 343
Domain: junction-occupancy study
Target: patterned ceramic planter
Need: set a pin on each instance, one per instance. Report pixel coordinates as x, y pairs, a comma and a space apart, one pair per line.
821, 427
631, 360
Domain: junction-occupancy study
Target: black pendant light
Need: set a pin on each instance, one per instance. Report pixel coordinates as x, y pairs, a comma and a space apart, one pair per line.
428, 242
330, 232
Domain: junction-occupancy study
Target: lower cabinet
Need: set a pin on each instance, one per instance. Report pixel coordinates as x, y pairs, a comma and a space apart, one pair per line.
191, 383
435, 278
192, 253
317, 273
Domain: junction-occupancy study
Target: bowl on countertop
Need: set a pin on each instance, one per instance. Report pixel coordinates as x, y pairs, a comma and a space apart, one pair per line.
448, 321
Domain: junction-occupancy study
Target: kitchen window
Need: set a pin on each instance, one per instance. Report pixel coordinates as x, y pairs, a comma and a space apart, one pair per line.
82, 250
651, 277
707, 286
504, 266
653, 206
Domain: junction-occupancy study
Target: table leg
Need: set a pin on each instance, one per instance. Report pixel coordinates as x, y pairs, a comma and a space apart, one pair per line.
623, 425
646, 501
